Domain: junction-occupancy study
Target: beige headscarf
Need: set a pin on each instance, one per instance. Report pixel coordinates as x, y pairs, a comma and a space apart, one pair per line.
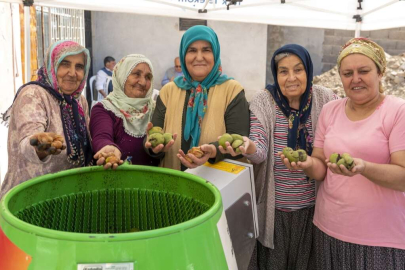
135, 112
368, 48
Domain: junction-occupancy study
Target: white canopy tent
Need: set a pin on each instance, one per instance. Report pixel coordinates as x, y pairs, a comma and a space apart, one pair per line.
354, 15
332, 14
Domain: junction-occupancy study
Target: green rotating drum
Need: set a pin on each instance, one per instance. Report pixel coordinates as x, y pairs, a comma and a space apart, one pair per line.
136, 217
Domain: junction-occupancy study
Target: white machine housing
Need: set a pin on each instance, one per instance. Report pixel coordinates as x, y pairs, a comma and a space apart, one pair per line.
235, 181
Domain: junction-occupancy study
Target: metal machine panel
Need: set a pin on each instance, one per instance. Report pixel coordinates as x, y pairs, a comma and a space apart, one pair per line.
241, 229
235, 181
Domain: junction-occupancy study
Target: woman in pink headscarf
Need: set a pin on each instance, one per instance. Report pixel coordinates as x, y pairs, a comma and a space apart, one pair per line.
48, 110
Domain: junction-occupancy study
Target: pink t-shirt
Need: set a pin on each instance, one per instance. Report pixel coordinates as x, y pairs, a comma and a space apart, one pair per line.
354, 209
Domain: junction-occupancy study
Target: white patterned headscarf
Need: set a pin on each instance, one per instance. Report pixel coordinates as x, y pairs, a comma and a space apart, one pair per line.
135, 112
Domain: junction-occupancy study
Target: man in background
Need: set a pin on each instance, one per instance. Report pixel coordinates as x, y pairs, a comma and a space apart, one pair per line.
173, 72
103, 79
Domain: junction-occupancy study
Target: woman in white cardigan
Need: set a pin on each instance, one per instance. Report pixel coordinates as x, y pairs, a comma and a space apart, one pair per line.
284, 114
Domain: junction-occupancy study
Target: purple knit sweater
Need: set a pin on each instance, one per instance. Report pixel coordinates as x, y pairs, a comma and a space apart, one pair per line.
108, 129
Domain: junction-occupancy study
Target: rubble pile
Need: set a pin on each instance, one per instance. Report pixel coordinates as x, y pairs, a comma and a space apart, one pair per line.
393, 80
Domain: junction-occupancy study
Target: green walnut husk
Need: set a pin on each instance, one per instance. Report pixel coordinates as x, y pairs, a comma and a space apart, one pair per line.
237, 137
295, 156
236, 144
235, 140
345, 159
155, 139
286, 150
334, 157
155, 130
302, 155
292, 156
168, 137
225, 138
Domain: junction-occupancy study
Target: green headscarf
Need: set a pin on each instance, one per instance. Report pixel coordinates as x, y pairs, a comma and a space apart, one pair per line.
135, 112
197, 103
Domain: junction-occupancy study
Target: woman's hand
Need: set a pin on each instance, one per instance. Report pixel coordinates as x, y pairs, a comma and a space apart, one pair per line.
209, 152
161, 147
104, 157
300, 165
47, 143
248, 147
359, 166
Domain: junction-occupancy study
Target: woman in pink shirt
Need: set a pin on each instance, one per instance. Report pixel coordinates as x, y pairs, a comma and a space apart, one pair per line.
360, 213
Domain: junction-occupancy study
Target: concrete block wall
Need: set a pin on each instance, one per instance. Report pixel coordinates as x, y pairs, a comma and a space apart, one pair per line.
392, 40
332, 43
310, 38
324, 44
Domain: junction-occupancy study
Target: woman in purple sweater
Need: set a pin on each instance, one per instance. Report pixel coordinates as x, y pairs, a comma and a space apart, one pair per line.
118, 123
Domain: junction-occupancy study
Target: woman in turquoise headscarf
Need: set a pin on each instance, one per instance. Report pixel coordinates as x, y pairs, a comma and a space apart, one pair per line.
199, 106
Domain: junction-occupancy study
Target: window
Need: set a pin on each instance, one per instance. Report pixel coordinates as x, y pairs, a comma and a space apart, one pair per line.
55, 24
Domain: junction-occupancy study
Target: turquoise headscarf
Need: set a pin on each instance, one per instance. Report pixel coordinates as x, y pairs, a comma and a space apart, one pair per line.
197, 103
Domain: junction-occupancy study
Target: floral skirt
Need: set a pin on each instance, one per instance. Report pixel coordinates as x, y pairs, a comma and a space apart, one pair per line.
333, 254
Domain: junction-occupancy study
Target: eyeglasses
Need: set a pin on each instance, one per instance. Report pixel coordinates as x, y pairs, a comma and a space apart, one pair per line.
178, 66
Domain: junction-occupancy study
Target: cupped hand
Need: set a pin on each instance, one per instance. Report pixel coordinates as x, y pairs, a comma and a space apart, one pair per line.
209, 152
47, 143
359, 167
161, 147
109, 156
300, 165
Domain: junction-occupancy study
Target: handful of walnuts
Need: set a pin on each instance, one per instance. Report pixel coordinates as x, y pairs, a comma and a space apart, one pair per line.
110, 158
196, 151
48, 141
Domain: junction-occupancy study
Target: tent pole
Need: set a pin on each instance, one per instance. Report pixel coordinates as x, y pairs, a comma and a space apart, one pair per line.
27, 44
358, 19
357, 31
13, 48
27, 39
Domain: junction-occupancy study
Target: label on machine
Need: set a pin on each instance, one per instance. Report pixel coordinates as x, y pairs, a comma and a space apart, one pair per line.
106, 266
226, 167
